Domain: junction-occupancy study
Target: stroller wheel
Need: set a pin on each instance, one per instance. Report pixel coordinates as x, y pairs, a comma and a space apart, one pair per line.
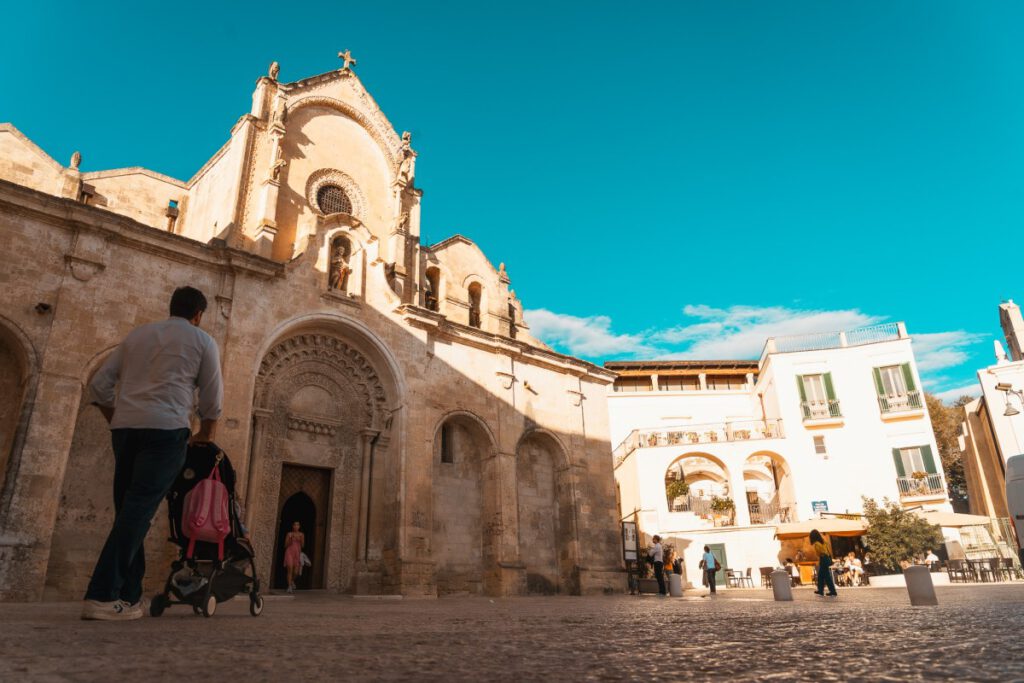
158, 604
255, 604
210, 606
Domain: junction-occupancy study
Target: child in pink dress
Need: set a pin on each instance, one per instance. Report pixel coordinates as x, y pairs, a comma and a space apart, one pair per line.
293, 543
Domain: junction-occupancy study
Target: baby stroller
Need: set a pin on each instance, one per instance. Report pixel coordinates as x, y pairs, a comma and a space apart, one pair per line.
204, 579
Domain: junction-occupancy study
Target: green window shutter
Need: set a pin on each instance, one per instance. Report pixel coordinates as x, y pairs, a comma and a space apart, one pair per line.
878, 382
908, 376
898, 461
800, 388
829, 390
929, 461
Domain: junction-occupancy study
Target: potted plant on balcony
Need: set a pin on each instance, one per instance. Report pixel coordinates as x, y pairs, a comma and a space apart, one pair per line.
675, 489
652, 439
722, 509
919, 481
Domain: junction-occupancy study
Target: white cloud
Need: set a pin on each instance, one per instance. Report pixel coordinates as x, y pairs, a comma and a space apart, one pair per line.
950, 395
739, 332
589, 337
940, 350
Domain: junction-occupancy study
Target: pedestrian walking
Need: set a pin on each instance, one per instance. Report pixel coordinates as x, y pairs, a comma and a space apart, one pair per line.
824, 565
146, 390
294, 542
710, 564
657, 555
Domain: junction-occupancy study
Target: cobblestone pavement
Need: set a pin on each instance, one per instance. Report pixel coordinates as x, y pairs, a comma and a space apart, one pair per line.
865, 634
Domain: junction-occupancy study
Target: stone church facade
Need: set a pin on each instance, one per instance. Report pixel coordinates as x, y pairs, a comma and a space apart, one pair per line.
385, 393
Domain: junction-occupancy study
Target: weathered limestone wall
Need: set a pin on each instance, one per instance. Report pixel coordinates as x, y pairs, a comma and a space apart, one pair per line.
213, 192
139, 194
22, 162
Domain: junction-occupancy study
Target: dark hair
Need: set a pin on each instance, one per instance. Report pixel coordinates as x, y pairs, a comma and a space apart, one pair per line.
816, 536
657, 538
187, 302
789, 559
707, 549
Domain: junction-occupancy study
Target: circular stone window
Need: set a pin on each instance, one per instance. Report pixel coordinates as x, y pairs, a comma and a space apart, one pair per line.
332, 199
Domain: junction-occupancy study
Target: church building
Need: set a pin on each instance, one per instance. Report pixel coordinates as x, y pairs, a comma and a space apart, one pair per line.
385, 394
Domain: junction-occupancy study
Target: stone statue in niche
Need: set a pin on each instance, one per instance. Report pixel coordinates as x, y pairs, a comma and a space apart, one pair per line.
275, 170
403, 224
76, 159
274, 69
340, 270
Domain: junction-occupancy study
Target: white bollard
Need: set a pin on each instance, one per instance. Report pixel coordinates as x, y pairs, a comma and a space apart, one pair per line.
781, 585
675, 585
919, 586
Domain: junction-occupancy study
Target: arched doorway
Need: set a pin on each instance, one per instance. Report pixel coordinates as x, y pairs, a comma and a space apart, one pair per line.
546, 517
463, 506
304, 498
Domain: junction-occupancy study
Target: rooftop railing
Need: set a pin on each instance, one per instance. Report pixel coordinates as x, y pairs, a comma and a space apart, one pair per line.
687, 435
836, 340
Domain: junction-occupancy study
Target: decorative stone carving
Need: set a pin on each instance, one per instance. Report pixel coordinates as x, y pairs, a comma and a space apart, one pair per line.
405, 157
314, 426
76, 159
83, 269
324, 351
274, 69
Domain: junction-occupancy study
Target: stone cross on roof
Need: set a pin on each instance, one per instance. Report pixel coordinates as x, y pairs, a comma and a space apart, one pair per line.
349, 59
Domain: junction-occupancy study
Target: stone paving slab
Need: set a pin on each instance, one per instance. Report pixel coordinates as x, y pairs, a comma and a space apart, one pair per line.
865, 634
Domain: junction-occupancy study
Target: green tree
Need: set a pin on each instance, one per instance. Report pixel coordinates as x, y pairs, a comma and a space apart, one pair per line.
895, 534
946, 421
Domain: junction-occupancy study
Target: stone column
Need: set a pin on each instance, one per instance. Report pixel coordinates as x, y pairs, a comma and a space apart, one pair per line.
30, 513
505, 573
362, 535
260, 423
738, 492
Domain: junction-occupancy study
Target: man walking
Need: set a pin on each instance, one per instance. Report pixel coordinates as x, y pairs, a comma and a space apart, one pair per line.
658, 557
146, 391
709, 563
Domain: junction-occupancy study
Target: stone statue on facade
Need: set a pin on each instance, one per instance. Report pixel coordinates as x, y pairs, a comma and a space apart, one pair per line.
274, 69
405, 159
275, 170
76, 159
403, 224
340, 270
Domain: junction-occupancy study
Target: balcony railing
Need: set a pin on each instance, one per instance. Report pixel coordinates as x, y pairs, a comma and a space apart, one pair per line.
820, 410
901, 403
686, 435
769, 513
836, 340
928, 485
702, 508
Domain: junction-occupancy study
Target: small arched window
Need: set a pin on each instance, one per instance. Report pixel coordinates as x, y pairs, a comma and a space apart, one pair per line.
475, 294
432, 289
332, 199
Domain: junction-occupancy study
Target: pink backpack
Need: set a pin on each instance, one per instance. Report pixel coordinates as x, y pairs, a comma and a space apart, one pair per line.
205, 516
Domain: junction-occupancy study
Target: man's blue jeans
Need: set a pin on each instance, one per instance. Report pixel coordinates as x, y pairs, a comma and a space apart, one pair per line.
146, 463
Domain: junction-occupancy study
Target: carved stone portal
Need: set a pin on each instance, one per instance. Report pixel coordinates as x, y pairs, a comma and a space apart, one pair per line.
320, 403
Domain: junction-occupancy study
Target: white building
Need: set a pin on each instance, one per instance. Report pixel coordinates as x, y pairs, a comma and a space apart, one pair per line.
812, 426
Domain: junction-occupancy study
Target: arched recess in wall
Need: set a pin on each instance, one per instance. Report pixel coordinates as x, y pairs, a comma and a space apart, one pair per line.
325, 399
545, 501
769, 493
707, 478
18, 376
86, 509
466, 506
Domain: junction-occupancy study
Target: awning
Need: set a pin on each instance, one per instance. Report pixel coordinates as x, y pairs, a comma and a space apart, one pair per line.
830, 526
953, 520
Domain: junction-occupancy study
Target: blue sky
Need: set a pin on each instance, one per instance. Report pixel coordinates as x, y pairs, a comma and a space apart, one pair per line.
667, 179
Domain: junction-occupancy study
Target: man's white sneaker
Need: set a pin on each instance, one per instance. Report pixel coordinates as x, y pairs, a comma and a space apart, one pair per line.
116, 610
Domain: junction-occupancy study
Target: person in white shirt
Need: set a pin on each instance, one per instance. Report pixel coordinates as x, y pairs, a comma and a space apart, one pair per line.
931, 559
657, 555
147, 390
